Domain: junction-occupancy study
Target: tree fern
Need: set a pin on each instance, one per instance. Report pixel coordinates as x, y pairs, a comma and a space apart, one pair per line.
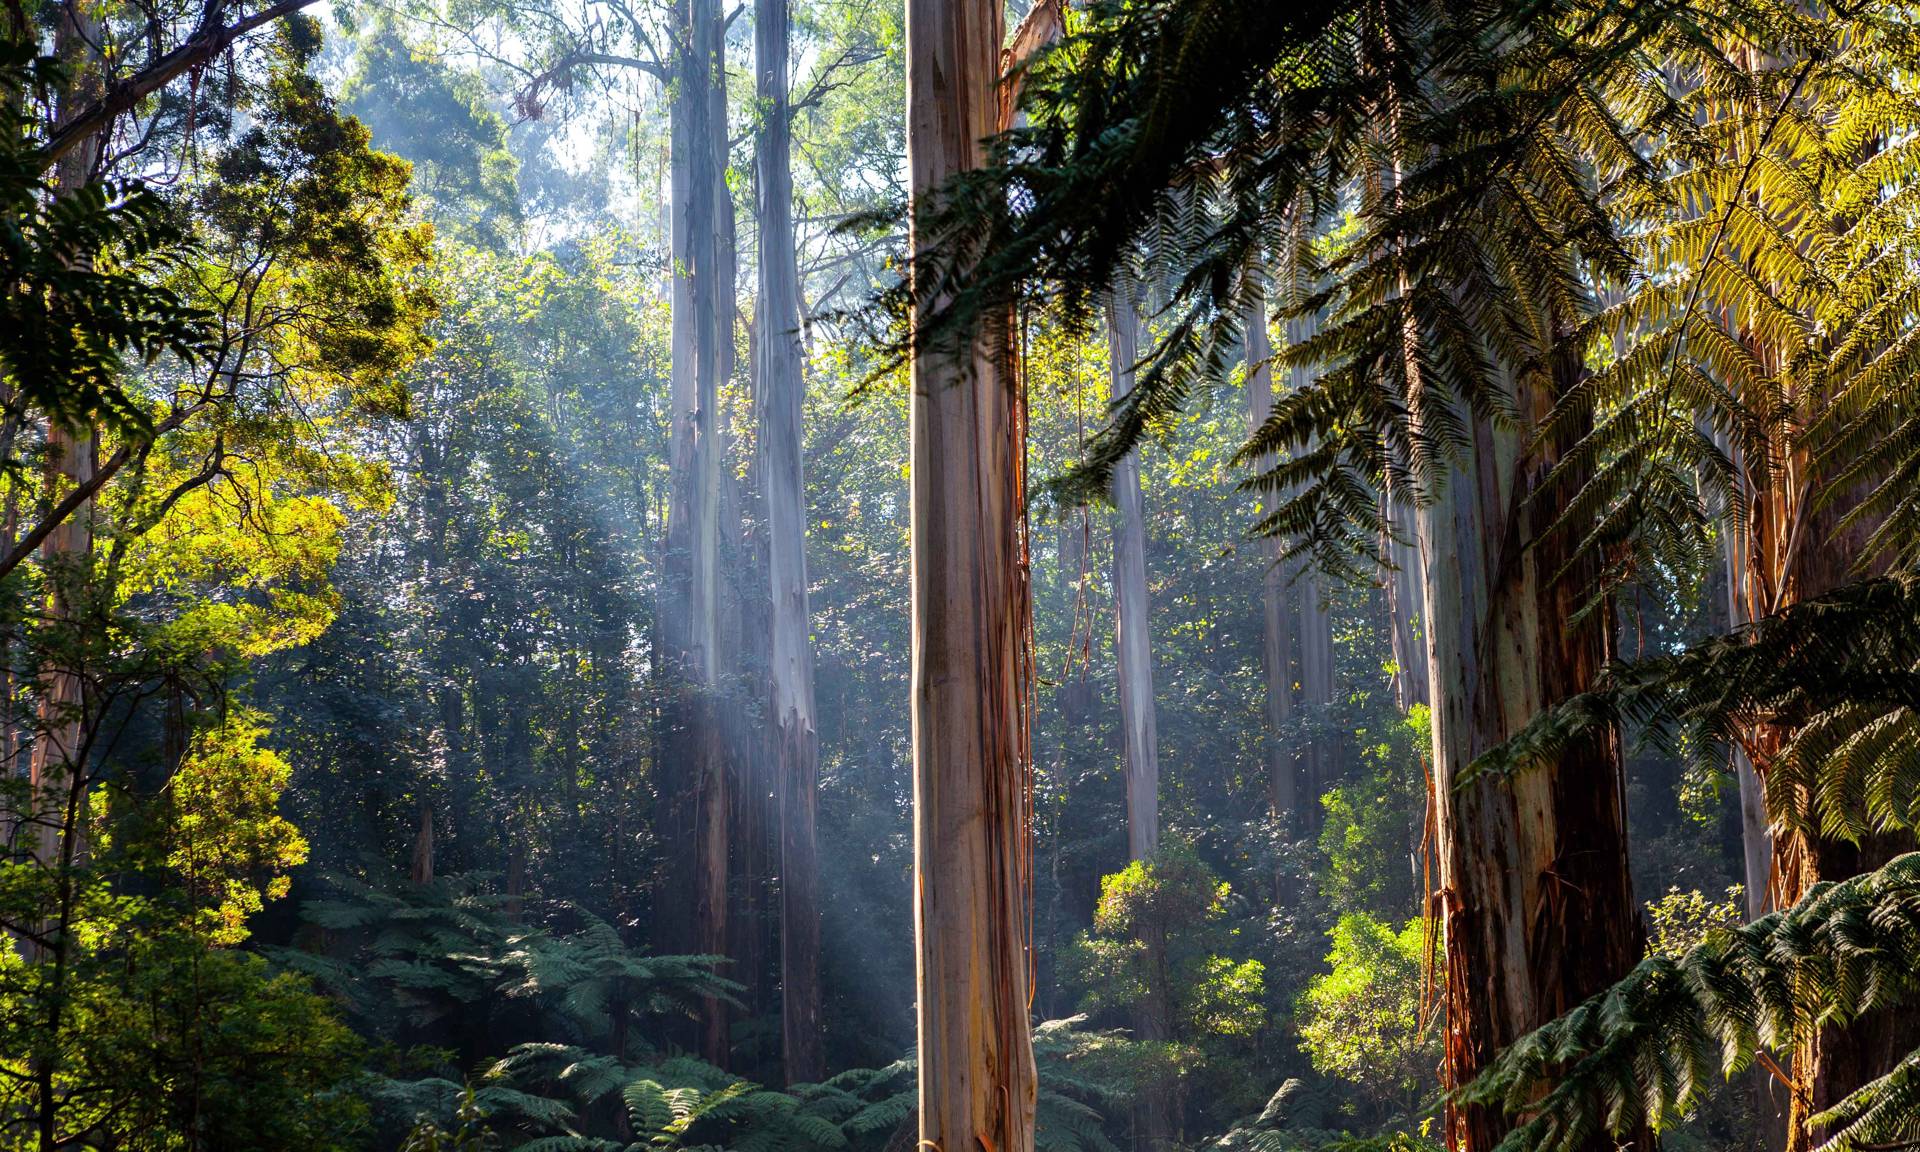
433, 950
1651, 1048
1839, 674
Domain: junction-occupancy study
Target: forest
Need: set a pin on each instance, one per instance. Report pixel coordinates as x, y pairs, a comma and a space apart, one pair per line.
959, 575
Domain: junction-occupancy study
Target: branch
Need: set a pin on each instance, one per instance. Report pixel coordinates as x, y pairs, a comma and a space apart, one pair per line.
650, 67
205, 44
83, 492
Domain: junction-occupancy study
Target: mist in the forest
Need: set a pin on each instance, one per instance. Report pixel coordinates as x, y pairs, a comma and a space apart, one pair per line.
842, 576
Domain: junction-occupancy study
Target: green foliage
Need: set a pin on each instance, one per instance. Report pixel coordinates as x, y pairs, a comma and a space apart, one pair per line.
152, 1038
313, 218
426, 955
1364, 831
1159, 934
1363, 1020
83, 272
1295, 1120
1835, 674
1650, 1048
468, 1135
1682, 921
438, 119
556, 1098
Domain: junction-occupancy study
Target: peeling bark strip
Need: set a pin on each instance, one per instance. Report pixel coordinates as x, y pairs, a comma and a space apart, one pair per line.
1534, 892
977, 1083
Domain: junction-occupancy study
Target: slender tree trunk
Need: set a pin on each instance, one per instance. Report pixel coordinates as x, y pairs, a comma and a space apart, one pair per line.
57, 764
971, 798
782, 393
53, 765
1756, 838
1134, 654
1278, 640
1323, 760
422, 869
1132, 640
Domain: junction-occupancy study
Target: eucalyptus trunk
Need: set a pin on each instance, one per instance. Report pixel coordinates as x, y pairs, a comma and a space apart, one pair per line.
1134, 656
1132, 640
1278, 639
1323, 759
971, 853
1797, 550
56, 765
1406, 608
781, 391
692, 910
1534, 894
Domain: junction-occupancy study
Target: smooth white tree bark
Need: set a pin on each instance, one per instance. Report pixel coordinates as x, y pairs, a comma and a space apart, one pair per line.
1133, 649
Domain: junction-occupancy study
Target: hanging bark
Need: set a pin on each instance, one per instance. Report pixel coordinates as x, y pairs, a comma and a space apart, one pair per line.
1132, 643
971, 856
781, 391
1537, 908
1278, 641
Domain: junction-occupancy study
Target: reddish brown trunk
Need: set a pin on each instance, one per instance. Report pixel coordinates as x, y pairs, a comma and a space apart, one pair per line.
971, 852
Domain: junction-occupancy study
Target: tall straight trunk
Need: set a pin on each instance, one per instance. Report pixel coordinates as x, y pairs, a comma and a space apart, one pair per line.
971, 855
692, 908
1134, 656
55, 765
1323, 758
57, 768
781, 390
1537, 906
1756, 838
1278, 639
1132, 642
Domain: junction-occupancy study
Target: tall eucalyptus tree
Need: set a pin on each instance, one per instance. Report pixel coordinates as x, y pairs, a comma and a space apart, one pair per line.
780, 389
